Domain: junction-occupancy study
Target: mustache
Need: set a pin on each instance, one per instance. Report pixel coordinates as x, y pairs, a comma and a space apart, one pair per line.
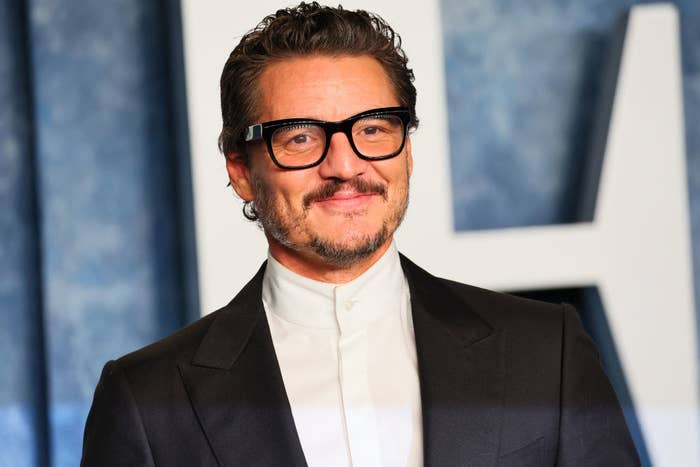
328, 189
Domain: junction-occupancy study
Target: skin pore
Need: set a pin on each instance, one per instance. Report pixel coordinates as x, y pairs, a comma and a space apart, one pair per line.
333, 221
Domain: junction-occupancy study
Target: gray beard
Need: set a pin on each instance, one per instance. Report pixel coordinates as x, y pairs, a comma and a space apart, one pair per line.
337, 255
342, 257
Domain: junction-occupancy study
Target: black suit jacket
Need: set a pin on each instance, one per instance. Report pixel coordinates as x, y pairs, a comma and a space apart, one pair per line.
504, 382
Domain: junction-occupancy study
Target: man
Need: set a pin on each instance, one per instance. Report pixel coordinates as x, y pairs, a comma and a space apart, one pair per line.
340, 351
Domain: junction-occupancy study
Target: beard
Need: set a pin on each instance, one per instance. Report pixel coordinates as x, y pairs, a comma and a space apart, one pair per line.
340, 254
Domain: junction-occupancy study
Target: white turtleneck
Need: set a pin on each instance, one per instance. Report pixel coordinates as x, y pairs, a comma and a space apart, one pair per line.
348, 359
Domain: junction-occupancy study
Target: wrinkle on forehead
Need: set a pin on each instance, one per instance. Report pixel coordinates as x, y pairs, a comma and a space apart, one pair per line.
324, 87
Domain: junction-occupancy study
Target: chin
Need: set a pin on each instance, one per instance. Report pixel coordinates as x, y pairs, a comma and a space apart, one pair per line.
351, 247
349, 234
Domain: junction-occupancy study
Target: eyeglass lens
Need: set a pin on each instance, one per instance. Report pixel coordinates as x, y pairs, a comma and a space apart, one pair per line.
375, 136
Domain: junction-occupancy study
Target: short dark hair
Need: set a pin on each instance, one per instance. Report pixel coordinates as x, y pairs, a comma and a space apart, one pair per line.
306, 29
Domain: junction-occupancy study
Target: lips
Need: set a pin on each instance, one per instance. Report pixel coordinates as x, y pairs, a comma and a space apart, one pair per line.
346, 200
345, 193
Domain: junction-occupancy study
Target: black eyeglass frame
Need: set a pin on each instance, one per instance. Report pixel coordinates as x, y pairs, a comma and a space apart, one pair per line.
264, 131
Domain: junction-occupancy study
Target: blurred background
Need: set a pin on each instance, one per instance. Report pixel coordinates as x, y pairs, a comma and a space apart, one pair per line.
97, 222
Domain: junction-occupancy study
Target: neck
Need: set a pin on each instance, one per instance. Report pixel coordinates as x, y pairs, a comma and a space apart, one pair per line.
314, 267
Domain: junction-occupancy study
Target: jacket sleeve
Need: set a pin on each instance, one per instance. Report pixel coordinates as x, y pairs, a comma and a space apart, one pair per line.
592, 429
114, 434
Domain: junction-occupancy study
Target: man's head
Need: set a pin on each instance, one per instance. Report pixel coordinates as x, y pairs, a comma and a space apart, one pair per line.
306, 30
325, 64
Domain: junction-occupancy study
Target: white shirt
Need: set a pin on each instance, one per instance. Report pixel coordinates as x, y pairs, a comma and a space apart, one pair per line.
348, 359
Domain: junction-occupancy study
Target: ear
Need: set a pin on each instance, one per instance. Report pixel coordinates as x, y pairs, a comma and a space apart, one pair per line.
239, 175
409, 155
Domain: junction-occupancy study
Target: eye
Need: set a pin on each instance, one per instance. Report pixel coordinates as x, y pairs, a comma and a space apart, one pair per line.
376, 127
299, 135
297, 138
300, 139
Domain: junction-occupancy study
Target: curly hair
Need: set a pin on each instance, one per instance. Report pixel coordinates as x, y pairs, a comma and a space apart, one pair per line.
306, 29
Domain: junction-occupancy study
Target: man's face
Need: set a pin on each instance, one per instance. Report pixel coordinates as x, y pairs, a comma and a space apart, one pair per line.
344, 210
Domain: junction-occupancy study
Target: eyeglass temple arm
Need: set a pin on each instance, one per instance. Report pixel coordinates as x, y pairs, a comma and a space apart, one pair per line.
253, 133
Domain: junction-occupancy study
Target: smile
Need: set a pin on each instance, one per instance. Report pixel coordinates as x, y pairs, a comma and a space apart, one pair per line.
346, 200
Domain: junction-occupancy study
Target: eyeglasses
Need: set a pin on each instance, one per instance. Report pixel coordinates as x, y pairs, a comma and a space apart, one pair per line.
300, 143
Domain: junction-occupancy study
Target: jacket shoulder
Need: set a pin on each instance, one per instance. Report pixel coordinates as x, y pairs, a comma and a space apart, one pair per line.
179, 346
503, 308
497, 309
182, 345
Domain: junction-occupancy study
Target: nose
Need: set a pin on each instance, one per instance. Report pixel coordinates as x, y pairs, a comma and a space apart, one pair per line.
341, 162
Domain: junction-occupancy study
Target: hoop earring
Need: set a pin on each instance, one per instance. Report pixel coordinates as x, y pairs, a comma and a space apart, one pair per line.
249, 211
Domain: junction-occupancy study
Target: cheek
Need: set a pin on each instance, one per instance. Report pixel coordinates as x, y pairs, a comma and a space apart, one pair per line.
396, 176
289, 189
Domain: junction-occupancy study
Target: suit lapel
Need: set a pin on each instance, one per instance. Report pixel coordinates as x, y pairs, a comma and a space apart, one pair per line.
461, 371
236, 388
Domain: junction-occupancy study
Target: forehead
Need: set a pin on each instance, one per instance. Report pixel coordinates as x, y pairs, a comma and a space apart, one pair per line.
323, 87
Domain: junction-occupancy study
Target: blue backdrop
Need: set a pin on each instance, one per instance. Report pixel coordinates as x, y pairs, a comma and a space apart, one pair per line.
95, 217
90, 213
